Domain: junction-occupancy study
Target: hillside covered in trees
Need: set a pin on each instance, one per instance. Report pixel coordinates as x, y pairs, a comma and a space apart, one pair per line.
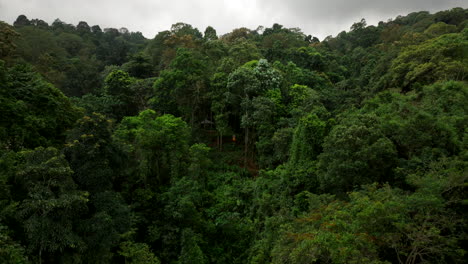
258, 146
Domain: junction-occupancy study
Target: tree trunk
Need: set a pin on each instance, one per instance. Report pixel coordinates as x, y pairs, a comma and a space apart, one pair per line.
246, 146
192, 118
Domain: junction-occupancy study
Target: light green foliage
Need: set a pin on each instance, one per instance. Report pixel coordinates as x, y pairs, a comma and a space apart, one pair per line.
307, 140
137, 253
130, 96
118, 83
385, 130
264, 117
161, 143
441, 58
303, 99
219, 105
439, 28
8, 35
306, 145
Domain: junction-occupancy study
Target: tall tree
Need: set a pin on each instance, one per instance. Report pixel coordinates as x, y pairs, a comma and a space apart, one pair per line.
51, 203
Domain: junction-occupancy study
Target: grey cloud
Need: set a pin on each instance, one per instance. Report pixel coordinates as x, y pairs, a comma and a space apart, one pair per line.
329, 17
319, 18
333, 16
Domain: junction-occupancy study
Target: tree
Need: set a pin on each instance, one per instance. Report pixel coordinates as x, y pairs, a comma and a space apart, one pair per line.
243, 51
21, 20
438, 29
93, 158
356, 152
104, 226
11, 251
139, 66
82, 77
83, 27
242, 85
182, 86
7, 37
245, 84
90, 152
308, 139
34, 112
137, 253
277, 42
118, 84
159, 144
210, 34
182, 29
441, 58
417, 227
191, 252
51, 204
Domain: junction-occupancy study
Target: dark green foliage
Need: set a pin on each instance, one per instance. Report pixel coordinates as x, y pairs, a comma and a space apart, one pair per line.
103, 228
106, 104
356, 152
416, 227
139, 66
50, 204
10, 251
257, 146
34, 112
71, 57
181, 89
89, 150
210, 33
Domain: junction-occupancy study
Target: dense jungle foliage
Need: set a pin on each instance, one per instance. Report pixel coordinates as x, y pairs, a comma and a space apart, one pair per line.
257, 146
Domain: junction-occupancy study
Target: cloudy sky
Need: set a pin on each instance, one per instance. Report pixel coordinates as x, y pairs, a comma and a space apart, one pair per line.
316, 17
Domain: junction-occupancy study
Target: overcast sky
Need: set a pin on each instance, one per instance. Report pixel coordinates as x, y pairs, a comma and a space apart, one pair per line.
316, 17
